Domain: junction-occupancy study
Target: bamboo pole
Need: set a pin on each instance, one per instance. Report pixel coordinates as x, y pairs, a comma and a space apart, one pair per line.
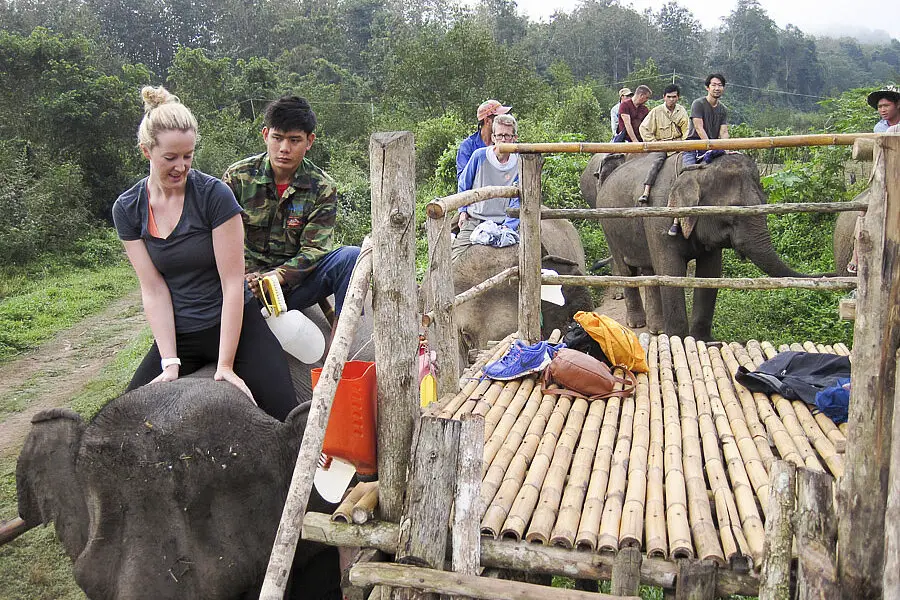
530, 248
456, 584
547, 509
523, 507
288, 533
744, 439
691, 211
344, 512
820, 441
392, 162
832, 284
475, 383
784, 141
522, 556
703, 529
589, 525
437, 209
632, 523
440, 296
499, 422
739, 522
677, 523
364, 508
775, 576
507, 437
655, 534
475, 291
610, 521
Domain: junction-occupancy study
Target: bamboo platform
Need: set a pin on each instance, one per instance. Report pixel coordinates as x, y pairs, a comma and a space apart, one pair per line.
680, 469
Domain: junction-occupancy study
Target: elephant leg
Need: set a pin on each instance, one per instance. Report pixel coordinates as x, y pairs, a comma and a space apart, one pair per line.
708, 265
634, 307
653, 308
674, 309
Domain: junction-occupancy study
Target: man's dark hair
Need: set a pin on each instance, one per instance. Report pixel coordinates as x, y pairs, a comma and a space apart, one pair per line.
290, 113
672, 88
718, 76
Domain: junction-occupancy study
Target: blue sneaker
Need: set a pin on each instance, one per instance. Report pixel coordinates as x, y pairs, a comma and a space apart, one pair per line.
522, 360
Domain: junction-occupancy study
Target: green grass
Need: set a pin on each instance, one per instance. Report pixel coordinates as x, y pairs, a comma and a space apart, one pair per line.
36, 304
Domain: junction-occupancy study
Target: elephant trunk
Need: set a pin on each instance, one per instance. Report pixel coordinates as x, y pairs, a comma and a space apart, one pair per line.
761, 252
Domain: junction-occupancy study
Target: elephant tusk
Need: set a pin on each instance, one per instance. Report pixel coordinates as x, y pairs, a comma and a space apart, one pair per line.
10, 530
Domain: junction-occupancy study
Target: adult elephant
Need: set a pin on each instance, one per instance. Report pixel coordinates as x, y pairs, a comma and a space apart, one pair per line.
173, 491
642, 246
494, 314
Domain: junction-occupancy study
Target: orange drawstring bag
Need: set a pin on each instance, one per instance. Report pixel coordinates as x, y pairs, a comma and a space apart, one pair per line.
619, 343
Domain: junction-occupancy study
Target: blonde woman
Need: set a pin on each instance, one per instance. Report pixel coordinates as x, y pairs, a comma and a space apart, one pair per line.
183, 233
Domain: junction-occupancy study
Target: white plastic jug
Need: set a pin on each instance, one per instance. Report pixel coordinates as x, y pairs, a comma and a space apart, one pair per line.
298, 336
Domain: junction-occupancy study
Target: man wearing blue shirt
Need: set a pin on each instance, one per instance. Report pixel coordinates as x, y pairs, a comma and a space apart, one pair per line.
487, 110
887, 102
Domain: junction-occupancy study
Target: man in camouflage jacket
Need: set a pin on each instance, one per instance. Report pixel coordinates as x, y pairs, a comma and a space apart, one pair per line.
290, 206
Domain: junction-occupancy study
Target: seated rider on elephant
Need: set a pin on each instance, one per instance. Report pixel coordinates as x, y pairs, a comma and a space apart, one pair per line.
488, 166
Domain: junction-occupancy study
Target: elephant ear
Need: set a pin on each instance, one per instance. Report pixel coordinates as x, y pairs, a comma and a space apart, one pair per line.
610, 163
685, 192
46, 484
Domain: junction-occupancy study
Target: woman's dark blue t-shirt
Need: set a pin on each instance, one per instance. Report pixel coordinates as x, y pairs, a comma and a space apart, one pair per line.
185, 259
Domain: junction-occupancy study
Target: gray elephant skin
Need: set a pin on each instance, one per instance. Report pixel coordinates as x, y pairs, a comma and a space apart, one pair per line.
844, 226
642, 246
174, 490
494, 314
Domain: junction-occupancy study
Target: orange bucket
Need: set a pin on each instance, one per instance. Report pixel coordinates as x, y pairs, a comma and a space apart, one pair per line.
350, 434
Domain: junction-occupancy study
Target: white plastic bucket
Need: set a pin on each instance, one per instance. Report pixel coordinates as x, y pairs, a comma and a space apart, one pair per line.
298, 335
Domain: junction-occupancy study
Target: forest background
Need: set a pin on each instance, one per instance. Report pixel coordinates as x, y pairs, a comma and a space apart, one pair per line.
70, 74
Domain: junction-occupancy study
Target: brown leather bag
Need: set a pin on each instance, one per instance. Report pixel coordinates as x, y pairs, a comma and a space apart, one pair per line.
583, 376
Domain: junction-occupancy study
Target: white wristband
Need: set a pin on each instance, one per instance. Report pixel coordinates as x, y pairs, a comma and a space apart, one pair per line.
167, 362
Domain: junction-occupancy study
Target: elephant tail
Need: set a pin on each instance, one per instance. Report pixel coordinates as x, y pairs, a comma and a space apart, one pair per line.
603, 262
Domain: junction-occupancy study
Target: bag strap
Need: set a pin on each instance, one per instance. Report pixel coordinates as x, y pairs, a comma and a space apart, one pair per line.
629, 380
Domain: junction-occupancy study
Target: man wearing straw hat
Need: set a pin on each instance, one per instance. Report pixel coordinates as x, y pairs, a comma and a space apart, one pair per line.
887, 102
485, 114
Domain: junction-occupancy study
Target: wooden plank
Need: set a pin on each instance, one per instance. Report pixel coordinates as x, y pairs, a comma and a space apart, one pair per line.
466, 552
892, 512
847, 309
696, 580
775, 576
392, 165
737, 283
816, 529
363, 555
424, 528
626, 572
439, 296
441, 582
437, 209
530, 248
522, 556
863, 490
285, 545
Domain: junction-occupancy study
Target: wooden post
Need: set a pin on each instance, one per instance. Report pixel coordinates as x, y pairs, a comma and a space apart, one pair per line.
775, 577
892, 513
530, 247
466, 552
696, 580
392, 164
817, 537
439, 296
626, 572
863, 488
285, 546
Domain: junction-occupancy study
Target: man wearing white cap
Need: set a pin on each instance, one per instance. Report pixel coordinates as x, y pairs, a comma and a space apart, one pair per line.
487, 110
614, 111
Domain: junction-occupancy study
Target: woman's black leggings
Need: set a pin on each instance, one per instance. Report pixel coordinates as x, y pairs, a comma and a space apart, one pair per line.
259, 361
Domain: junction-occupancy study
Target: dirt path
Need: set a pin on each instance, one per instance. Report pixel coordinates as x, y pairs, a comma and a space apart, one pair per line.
60, 368
614, 308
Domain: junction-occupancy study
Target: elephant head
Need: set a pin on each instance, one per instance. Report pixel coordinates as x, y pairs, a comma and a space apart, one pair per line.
174, 490
493, 315
643, 246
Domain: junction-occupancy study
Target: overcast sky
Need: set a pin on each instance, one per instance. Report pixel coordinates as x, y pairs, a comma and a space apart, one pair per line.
811, 16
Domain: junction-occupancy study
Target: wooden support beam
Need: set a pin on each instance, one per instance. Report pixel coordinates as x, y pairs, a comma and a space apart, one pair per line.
892, 511
847, 309
697, 211
285, 546
863, 488
816, 529
437, 209
440, 296
626, 572
363, 555
783, 141
523, 556
466, 551
737, 283
775, 576
696, 580
530, 248
392, 165
863, 149
442, 582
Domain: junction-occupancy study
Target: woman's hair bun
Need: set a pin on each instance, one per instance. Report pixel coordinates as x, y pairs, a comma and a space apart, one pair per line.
156, 96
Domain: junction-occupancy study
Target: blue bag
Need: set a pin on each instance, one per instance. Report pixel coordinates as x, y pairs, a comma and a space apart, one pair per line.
835, 401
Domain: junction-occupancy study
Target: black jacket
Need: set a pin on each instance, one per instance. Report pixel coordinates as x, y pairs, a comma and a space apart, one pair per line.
796, 375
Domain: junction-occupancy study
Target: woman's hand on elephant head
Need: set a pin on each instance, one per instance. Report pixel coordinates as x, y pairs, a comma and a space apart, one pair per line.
227, 374
170, 373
